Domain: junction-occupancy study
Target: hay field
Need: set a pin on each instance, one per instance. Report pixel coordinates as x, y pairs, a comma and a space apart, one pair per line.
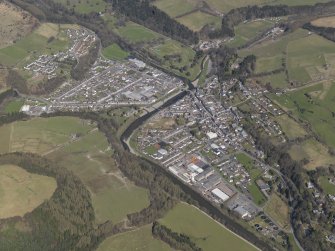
203, 230
21, 191
324, 22
14, 23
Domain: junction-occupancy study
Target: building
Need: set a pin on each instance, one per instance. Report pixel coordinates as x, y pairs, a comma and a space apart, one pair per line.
220, 195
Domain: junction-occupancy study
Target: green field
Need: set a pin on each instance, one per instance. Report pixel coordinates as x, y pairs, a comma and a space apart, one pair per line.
291, 128
203, 230
170, 8
21, 191
256, 194
136, 33
327, 187
176, 50
77, 145
84, 6
278, 210
140, 239
316, 153
307, 57
35, 44
14, 106
247, 31
277, 81
114, 52
316, 105
197, 20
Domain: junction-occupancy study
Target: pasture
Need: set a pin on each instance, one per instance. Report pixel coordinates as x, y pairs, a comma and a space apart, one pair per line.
247, 31
203, 230
34, 44
170, 6
14, 23
277, 81
316, 153
21, 191
136, 33
114, 52
84, 6
277, 209
324, 22
78, 145
314, 104
197, 20
308, 57
177, 57
14, 106
291, 128
140, 239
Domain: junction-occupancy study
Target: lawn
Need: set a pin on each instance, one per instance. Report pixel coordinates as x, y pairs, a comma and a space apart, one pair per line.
328, 188
14, 106
141, 239
256, 194
35, 44
114, 52
197, 20
277, 209
169, 6
203, 230
316, 105
21, 191
84, 6
291, 128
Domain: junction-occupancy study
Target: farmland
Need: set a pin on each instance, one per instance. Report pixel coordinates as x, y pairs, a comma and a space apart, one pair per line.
139, 239
308, 57
79, 146
278, 210
21, 191
35, 44
204, 231
15, 23
315, 105
196, 20
247, 31
170, 6
84, 7
14, 106
291, 128
325, 22
326, 185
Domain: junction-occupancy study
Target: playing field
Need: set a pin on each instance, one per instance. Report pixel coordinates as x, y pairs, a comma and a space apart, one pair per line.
308, 57
14, 23
84, 6
140, 239
77, 145
114, 52
278, 210
21, 191
35, 44
325, 22
203, 230
197, 20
